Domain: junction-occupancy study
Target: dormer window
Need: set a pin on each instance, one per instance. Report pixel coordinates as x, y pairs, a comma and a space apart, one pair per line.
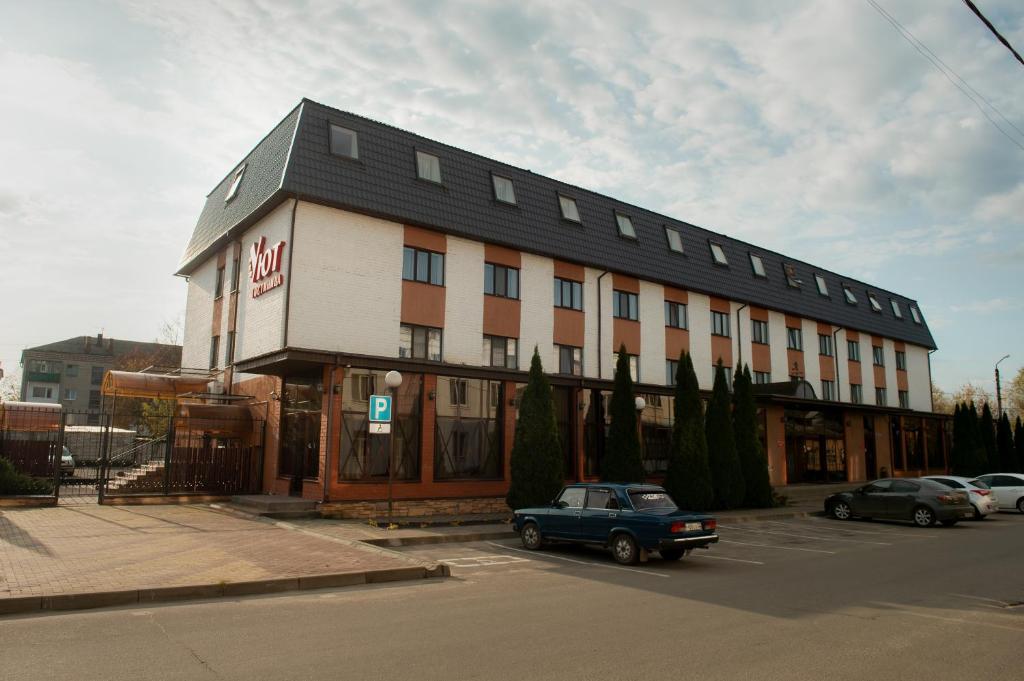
896, 309
569, 209
822, 286
757, 265
675, 241
875, 305
235, 181
504, 190
850, 298
791, 277
344, 142
915, 314
625, 225
718, 254
428, 167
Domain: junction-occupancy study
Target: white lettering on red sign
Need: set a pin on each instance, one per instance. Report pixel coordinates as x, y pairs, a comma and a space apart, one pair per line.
265, 266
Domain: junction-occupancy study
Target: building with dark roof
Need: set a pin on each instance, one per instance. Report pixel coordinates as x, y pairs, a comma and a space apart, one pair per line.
341, 247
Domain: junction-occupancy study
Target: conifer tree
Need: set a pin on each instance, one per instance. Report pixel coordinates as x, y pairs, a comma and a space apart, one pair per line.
726, 474
976, 453
1004, 444
688, 480
957, 458
988, 442
1018, 447
754, 464
536, 460
622, 458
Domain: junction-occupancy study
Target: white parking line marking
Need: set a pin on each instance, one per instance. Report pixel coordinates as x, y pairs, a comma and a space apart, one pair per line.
894, 531
582, 562
483, 561
734, 560
769, 546
808, 536
999, 605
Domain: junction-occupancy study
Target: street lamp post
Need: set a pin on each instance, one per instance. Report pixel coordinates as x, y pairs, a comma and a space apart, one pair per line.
640, 405
393, 380
999, 393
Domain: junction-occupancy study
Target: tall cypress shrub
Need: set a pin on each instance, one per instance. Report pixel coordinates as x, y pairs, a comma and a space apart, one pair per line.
1018, 447
988, 442
1004, 444
622, 459
688, 480
726, 474
754, 464
536, 459
957, 459
976, 452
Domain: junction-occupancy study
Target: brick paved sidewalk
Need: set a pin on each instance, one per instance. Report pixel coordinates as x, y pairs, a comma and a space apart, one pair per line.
86, 549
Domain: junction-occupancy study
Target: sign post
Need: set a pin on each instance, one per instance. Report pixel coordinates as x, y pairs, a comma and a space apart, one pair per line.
380, 423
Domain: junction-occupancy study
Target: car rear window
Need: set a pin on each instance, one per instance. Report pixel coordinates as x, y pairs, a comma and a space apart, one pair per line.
648, 499
980, 484
930, 484
956, 484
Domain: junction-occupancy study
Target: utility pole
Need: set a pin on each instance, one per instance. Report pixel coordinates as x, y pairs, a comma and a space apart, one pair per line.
999, 393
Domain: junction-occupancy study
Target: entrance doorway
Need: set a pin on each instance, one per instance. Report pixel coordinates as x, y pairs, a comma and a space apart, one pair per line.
870, 452
815, 447
299, 455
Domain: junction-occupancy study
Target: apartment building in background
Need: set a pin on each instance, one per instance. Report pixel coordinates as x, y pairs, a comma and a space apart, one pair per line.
340, 248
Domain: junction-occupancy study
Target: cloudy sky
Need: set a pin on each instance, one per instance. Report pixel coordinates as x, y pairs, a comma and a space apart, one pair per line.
812, 128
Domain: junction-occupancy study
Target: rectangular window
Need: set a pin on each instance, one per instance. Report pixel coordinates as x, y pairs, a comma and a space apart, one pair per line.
501, 281
791, 278
236, 181
365, 456
344, 142
458, 392
850, 298
504, 190
70, 394
901, 360
719, 324
423, 266
229, 353
569, 209
878, 355
828, 390
214, 349
759, 331
671, 369
794, 338
728, 374
718, 253
41, 392
896, 309
757, 265
570, 360
467, 432
675, 315
856, 393
874, 302
95, 399
71, 370
568, 294
236, 270
218, 287
420, 342
96, 377
625, 225
762, 377
853, 350
916, 314
880, 398
675, 241
819, 281
634, 367
904, 399
428, 167
825, 345
624, 305
501, 352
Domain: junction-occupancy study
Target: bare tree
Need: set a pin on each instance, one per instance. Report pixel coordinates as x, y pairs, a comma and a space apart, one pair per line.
969, 392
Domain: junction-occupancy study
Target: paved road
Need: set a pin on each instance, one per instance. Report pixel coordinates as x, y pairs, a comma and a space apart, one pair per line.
805, 599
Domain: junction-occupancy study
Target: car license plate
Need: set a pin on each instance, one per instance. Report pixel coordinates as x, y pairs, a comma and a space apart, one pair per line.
693, 527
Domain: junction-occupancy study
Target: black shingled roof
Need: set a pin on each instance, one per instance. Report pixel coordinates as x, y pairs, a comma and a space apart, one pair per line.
294, 161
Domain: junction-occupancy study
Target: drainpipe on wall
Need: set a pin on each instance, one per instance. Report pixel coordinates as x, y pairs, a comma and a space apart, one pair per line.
739, 340
600, 322
288, 281
835, 360
330, 414
931, 388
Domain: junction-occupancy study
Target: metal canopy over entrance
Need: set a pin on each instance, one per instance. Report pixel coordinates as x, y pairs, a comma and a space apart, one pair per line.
152, 386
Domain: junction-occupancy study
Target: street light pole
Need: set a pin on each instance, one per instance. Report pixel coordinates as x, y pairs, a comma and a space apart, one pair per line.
393, 380
999, 393
640, 404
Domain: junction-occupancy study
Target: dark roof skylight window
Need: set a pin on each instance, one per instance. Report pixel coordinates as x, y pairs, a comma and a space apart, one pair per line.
235, 181
625, 225
428, 167
822, 286
915, 314
896, 309
758, 265
874, 302
718, 254
850, 298
675, 242
791, 277
568, 207
504, 190
344, 142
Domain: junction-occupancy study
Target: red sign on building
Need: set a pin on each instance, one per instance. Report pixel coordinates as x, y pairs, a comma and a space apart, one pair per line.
265, 266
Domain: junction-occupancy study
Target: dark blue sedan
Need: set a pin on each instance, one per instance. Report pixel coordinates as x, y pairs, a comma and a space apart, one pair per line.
629, 519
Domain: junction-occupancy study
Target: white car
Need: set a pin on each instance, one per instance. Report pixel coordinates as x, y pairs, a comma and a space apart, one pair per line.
1008, 488
978, 492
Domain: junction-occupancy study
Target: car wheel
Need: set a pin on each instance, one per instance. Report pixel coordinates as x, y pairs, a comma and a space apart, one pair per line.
531, 536
672, 554
948, 523
841, 511
624, 549
978, 515
1020, 504
923, 516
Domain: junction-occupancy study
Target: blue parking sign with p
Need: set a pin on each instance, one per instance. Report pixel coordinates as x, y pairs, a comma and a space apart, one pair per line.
380, 408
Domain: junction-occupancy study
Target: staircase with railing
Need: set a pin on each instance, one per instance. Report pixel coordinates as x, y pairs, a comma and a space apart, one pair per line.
141, 468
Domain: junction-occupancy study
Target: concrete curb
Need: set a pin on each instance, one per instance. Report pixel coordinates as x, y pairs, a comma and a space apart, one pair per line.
168, 594
440, 538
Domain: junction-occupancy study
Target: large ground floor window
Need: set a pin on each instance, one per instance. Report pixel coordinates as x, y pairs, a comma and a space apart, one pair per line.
364, 457
656, 427
468, 432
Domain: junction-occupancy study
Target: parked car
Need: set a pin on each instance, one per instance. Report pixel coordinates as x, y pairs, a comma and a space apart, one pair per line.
629, 519
1008, 488
923, 502
67, 464
981, 497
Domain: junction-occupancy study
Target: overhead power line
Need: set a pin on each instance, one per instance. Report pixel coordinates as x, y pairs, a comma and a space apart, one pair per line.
952, 76
992, 28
